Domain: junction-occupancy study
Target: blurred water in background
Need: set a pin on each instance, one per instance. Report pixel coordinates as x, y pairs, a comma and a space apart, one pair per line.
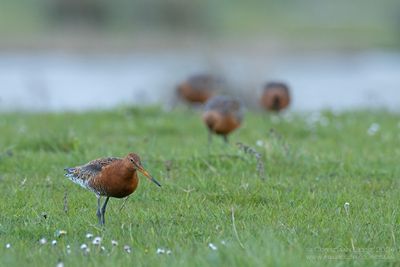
54, 82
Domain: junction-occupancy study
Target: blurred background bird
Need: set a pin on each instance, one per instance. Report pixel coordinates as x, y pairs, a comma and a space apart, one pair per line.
109, 177
197, 89
275, 96
222, 115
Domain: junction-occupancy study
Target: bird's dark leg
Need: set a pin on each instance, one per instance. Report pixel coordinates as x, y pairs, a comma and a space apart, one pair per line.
209, 138
226, 139
98, 213
103, 210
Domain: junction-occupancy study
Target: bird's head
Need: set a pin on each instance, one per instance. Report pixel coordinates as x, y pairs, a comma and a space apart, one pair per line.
135, 160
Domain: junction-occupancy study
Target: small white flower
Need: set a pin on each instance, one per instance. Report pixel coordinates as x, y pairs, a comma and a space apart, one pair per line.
54, 242
60, 264
60, 233
169, 252
89, 236
114, 243
96, 241
43, 241
8, 245
102, 248
160, 251
347, 207
85, 248
373, 129
127, 249
68, 249
212, 246
260, 143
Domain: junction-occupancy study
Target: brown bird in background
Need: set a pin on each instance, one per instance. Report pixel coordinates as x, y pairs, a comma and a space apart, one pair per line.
198, 88
222, 115
275, 96
109, 177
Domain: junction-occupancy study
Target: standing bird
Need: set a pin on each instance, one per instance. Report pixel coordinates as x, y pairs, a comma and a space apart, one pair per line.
222, 115
275, 96
109, 177
198, 88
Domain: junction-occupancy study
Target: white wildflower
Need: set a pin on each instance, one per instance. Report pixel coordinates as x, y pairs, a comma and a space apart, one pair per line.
85, 248
160, 251
347, 207
60, 233
212, 246
127, 249
96, 241
89, 236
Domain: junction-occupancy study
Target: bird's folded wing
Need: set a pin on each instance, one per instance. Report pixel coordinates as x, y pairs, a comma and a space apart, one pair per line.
91, 169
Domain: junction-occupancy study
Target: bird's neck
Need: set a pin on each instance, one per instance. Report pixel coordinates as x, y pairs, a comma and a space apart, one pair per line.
127, 169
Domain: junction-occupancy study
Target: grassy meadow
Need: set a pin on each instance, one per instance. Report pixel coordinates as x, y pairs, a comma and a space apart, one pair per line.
294, 215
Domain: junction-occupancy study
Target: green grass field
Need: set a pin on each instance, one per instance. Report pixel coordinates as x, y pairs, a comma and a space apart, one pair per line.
314, 164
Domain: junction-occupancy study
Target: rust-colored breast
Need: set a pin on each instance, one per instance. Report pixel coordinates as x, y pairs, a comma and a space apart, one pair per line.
220, 123
275, 99
186, 92
116, 180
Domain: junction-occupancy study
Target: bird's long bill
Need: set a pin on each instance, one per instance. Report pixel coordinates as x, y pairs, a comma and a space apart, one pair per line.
145, 173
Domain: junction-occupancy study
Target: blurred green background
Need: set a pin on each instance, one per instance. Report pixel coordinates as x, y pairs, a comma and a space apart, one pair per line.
355, 24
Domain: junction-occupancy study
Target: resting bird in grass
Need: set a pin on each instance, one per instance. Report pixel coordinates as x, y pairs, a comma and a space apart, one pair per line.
222, 115
109, 177
275, 96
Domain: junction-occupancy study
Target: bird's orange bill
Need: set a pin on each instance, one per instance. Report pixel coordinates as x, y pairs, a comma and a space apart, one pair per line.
145, 173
